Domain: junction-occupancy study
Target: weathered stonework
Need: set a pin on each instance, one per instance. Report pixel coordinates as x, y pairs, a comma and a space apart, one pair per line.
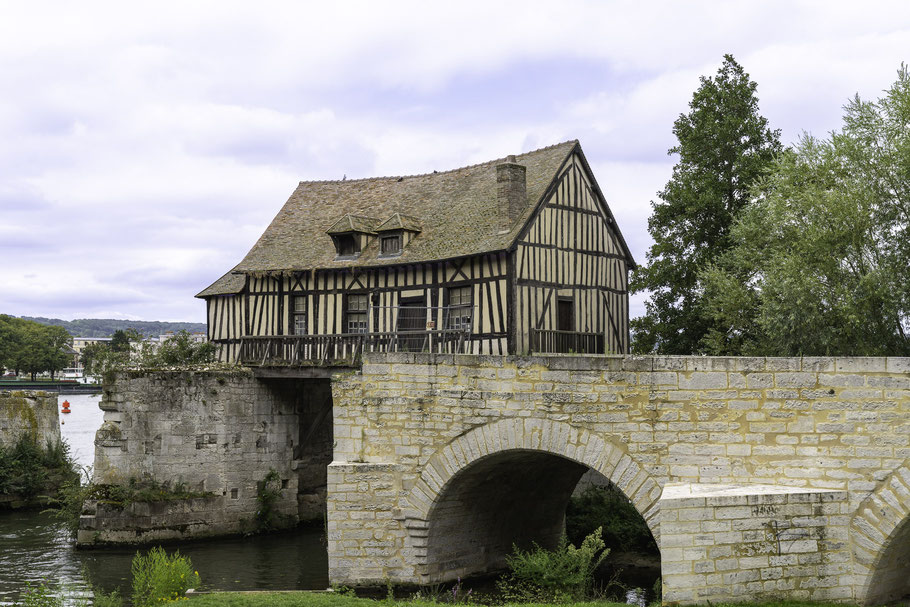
213, 432
33, 414
28, 412
432, 452
754, 542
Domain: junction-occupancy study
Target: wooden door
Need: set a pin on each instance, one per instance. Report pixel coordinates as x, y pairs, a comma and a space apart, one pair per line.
412, 324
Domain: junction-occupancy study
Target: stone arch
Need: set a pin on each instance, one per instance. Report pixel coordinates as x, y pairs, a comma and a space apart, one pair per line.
880, 538
556, 451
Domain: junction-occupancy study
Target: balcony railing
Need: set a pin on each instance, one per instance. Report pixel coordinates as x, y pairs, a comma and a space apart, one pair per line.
346, 348
566, 342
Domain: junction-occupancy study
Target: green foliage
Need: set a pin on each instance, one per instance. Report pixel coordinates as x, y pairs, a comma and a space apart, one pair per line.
103, 599
554, 575
159, 577
105, 327
609, 509
32, 347
819, 260
182, 350
724, 147
128, 352
39, 595
26, 467
121, 340
268, 490
67, 505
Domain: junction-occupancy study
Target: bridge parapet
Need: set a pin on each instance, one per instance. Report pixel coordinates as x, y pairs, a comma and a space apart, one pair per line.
505, 433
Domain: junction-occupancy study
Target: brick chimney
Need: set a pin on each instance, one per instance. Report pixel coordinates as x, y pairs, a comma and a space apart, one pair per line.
511, 191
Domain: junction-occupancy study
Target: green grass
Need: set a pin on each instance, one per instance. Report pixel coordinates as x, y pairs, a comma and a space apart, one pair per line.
328, 599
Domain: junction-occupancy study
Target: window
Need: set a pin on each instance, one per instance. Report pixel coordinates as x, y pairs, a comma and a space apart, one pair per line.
346, 245
298, 319
460, 310
390, 245
356, 313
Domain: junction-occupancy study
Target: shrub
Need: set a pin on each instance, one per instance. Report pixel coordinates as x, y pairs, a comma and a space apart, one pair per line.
101, 599
25, 467
67, 505
159, 577
268, 490
39, 596
607, 507
554, 575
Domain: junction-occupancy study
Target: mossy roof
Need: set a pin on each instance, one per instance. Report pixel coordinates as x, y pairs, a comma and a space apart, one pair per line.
454, 212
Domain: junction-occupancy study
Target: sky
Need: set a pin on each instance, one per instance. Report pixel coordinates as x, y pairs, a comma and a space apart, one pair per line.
144, 147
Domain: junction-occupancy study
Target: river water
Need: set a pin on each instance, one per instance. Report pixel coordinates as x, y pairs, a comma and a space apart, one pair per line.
34, 547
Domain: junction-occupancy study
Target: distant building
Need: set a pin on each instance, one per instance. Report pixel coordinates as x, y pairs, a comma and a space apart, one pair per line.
515, 255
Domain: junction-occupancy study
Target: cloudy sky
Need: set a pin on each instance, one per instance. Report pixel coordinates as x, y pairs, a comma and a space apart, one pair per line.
145, 146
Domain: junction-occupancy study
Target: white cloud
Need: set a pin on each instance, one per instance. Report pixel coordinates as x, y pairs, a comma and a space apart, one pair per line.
147, 145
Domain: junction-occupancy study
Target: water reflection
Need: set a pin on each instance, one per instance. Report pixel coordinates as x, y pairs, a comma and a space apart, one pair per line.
34, 547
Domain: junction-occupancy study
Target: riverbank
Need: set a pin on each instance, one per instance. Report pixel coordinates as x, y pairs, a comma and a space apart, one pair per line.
334, 599
59, 386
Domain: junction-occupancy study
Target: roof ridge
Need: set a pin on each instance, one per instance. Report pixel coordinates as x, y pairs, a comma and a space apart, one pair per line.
470, 166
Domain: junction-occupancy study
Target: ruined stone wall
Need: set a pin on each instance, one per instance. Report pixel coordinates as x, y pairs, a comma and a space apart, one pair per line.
218, 433
28, 412
409, 428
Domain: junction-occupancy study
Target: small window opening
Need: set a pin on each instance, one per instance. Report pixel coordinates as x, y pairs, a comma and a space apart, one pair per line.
299, 316
391, 245
346, 245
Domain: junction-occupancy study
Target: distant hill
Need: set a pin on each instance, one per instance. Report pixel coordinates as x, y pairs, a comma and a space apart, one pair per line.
105, 327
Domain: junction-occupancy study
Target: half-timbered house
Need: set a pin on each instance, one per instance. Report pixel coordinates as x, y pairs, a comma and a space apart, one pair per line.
515, 255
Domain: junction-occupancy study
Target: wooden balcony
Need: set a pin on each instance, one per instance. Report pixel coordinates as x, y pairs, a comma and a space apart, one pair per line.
344, 349
566, 342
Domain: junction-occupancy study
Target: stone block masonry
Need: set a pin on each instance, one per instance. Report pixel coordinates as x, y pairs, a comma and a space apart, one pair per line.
430, 478
771, 477
217, 433
28, 412
754, 543
31, 414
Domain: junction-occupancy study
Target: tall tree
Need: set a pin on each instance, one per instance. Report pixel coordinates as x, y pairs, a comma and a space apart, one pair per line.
819, 262
724, 147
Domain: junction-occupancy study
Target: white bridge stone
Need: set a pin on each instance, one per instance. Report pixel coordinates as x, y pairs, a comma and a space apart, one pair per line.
758, 477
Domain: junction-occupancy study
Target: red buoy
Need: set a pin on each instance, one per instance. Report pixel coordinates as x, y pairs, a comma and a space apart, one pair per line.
66, 406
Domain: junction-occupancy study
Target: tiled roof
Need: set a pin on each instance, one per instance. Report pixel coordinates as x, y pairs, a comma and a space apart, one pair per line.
400, 222
354, 223
226, 285
457, 212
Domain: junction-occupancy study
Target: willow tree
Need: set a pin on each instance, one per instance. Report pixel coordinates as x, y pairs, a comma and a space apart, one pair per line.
724, 147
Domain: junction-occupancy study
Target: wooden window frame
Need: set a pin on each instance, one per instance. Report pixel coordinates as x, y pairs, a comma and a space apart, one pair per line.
461, 318
389, 238
298, 314
349, 313
341, 240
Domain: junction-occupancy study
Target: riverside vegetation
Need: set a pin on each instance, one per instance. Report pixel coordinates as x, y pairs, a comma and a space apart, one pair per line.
31, 474
158, 577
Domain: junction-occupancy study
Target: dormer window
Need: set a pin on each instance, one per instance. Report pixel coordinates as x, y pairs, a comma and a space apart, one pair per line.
395, 233
351, 234
390, 245
346, 245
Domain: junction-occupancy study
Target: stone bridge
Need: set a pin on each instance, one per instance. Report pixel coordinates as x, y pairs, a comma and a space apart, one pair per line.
758, 477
